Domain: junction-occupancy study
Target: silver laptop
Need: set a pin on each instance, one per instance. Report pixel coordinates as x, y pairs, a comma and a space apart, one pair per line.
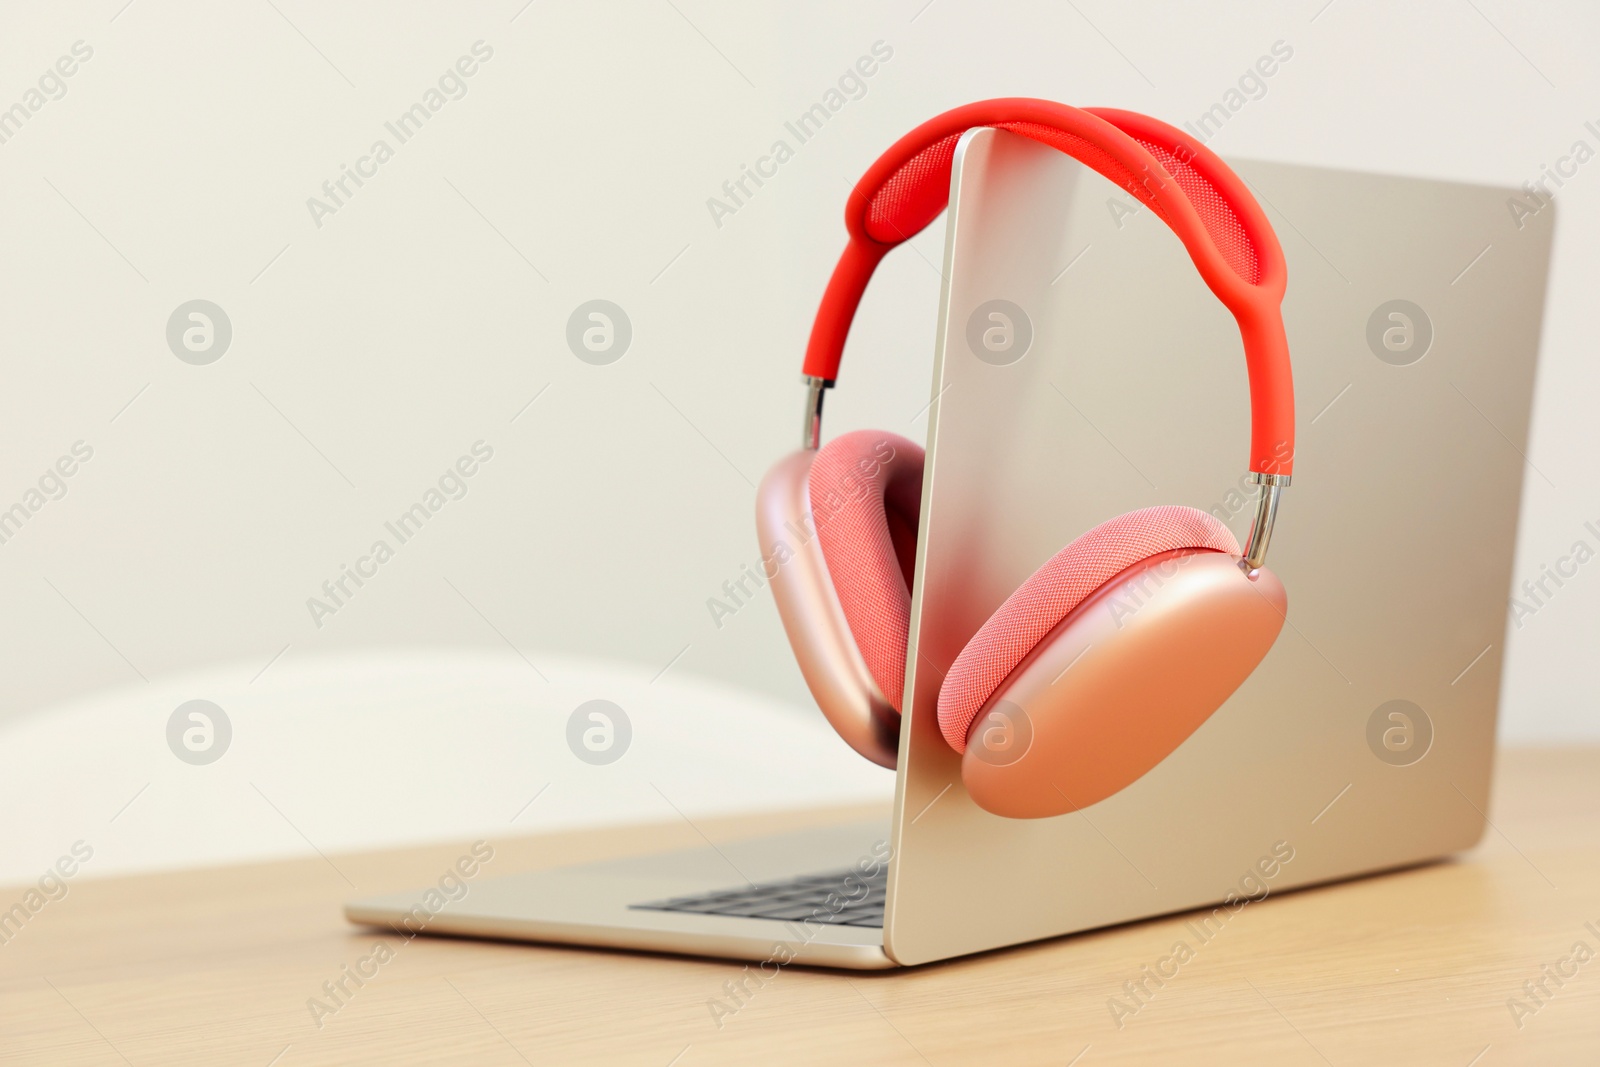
1362, 743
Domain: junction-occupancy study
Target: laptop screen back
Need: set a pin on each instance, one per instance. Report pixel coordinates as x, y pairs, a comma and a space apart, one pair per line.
1414, 352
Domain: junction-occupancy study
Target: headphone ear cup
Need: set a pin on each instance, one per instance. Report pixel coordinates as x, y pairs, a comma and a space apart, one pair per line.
838, 540
1105, 660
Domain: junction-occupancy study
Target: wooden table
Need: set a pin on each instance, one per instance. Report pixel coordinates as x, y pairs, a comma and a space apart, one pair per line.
1419, 967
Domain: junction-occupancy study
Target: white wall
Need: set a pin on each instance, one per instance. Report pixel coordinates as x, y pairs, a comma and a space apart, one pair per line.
372, 351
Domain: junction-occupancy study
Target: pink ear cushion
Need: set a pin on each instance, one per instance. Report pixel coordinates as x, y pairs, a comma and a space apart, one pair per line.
1051, 593
859, 481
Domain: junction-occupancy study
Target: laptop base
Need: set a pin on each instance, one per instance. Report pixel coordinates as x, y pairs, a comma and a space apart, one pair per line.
626, 903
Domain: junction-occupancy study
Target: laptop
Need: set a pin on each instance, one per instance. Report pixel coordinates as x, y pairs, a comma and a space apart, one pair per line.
1362, 743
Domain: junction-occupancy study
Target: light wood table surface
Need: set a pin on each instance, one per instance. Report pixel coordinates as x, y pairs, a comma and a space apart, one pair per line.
1417, 967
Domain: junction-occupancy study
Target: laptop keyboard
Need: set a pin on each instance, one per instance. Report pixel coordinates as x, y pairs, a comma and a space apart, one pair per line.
839, 898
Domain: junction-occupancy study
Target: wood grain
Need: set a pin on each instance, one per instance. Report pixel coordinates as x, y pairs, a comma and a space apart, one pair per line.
217, 967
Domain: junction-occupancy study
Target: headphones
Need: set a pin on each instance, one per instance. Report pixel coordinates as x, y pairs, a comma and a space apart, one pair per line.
1123, 643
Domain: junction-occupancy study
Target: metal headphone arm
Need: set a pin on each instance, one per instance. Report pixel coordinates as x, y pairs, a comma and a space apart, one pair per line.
1255, 551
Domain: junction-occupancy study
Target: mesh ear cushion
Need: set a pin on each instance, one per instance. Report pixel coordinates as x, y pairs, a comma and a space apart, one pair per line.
866, 496
1050, 594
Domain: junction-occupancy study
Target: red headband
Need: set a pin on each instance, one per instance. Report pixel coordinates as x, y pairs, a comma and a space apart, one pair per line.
1183, 182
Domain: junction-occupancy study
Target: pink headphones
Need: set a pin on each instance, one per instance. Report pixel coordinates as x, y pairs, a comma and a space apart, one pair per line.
1119, 646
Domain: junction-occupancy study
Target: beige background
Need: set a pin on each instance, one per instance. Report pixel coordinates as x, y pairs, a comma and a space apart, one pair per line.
369, 353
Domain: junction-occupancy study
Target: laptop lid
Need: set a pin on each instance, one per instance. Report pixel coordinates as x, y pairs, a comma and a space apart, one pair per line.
1364, 740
